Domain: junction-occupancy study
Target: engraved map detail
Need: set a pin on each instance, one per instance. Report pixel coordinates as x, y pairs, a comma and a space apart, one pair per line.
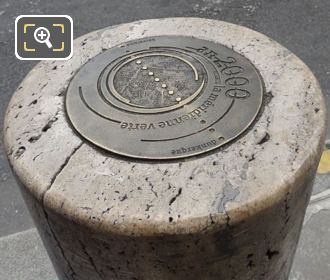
164, 97
154, 81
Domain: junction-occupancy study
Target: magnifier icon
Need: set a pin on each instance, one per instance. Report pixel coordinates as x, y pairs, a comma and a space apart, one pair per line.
41, 35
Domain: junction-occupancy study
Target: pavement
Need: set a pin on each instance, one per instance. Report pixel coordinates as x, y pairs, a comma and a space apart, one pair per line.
300, 25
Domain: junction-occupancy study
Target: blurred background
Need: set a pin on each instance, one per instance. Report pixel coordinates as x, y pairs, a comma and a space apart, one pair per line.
303, 26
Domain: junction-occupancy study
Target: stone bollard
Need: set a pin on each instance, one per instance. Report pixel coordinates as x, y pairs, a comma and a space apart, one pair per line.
178, 148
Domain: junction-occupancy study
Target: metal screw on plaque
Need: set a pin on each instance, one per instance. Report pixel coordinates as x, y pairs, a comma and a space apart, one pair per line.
190, 156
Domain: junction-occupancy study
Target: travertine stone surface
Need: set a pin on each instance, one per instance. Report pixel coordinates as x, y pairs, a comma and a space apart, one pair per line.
233, 214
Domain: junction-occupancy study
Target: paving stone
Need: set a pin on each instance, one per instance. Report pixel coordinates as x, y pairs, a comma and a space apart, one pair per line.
322, 183
312, 260
23, 257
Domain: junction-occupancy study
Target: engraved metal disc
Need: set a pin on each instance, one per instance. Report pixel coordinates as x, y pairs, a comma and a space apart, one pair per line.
164, 97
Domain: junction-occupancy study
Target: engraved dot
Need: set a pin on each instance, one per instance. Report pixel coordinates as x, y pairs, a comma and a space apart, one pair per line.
144, 67
138, 62
211, 129
178, 99
164, 85
203, 121
157, 79
151, 73
221, 138
170, 92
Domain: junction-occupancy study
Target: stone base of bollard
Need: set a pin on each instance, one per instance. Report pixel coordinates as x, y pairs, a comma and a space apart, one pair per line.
168, 149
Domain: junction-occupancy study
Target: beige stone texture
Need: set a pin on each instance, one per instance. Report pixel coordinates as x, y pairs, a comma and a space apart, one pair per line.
233, 214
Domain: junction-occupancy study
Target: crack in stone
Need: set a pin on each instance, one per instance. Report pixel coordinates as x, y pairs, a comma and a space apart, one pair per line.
50, 123
176, 196
83, 247
106, 210
227, 218
35, 157
73, 274
151, 185
59, 171
229, 193
210, 224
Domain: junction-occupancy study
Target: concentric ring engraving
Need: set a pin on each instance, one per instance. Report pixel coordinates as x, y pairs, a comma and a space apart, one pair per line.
164, 97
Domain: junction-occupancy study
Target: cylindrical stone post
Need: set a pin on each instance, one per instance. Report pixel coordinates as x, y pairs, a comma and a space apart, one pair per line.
200, 195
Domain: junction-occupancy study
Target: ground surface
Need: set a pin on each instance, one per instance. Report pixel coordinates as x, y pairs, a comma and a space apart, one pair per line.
300, 25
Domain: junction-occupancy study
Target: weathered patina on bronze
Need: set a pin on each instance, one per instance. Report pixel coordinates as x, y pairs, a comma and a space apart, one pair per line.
164, 97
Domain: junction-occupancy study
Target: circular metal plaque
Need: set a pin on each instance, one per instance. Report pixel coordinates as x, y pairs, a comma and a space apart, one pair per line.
164, 97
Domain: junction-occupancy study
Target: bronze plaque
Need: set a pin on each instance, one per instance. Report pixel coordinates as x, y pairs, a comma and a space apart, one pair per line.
164, 97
